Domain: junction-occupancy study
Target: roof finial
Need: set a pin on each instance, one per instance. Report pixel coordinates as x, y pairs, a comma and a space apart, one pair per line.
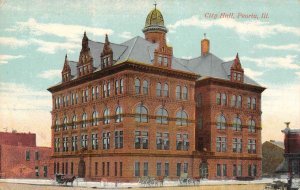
204, 35
84, 34
66, 57
237, 55
155, 4
287, 124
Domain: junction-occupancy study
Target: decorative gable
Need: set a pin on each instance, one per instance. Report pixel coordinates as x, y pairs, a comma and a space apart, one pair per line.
106, 54
66, 72
236, 70
85, 63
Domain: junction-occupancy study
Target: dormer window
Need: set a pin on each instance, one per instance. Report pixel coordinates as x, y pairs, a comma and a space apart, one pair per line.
105, 61
162, 61
236, 71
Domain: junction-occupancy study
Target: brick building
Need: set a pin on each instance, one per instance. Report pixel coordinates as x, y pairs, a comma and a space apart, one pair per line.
272, 157
21, 158
133, 109
292, 150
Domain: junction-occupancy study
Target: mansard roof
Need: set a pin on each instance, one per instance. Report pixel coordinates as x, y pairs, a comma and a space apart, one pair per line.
140, 50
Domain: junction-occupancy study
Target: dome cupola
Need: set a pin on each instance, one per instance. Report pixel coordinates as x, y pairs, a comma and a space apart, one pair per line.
155, 21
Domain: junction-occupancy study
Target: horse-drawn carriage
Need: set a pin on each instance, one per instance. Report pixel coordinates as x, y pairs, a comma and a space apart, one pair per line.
63, 179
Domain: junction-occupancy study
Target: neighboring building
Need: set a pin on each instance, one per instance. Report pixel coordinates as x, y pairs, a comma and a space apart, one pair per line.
133, 109
21, 158
292, 150
272, 153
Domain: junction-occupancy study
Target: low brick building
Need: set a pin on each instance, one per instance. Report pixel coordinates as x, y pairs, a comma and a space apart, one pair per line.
292, 150
21, 158
272, 153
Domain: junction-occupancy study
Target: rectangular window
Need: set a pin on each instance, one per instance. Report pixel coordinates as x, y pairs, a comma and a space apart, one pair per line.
253, 103
37, 155
167, 169
65, 144
45, 171
107, 168
74, 143
121, 169
145, 168
136, 169
63, 168
103, 168
67, 168
224, 170
237, 145
95, 141
106, 140
221, 144
239, 170
141, 139
158, 169
234, 170
251, 146
121, 86
116, 87
219, 174
108, 89
97, 92
56, 144
118, 139
84, 141
37, 174
182, 142
162, 141
57, 167
178, 169
72, 168
185, 168
27, 155
96, 168
218, 99
54, 167
116, 168
249, 169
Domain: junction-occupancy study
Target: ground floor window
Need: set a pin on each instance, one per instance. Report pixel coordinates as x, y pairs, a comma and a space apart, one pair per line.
221, 170
252, 170
45, 171
167, 166
37, 174
136, 169
178, 169
158, 169
145, 168
204, 170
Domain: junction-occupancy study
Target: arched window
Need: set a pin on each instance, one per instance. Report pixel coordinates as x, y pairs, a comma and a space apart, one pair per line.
249, 103
221, 122
218, 99
65, 127
178, 92
185, 93
74, 122
233, 101
56, 125
224, 99
239, 101
141, 114
119, 117
166, 90
181, 118
145, 87
253, 102
106, 116
251, 126
95, 118
137, 84
162, 116
198, 100
237, 124
116, 87
121, 86
84, 120
158, 89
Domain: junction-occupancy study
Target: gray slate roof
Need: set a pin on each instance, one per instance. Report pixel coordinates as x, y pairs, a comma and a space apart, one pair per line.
140, 50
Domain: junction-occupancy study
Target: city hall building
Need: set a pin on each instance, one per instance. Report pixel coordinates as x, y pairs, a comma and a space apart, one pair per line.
123, 111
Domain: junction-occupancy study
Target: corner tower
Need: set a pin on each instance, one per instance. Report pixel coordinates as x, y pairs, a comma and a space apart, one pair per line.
155, 32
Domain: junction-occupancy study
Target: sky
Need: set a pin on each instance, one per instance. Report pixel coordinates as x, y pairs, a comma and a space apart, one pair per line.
35, 35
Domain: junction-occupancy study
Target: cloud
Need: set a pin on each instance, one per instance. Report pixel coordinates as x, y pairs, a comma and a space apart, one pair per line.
70, 32
13, 42
53, 47
291, 47
280, 103
50, 74
298, 74
5, 58
126, 35
252, 28
25, 109
287, 62
252, 74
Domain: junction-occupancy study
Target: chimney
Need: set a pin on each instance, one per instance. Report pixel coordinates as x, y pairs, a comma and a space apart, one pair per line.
204, 46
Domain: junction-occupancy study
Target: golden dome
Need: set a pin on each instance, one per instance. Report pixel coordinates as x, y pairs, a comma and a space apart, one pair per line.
154, 18
155, 21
